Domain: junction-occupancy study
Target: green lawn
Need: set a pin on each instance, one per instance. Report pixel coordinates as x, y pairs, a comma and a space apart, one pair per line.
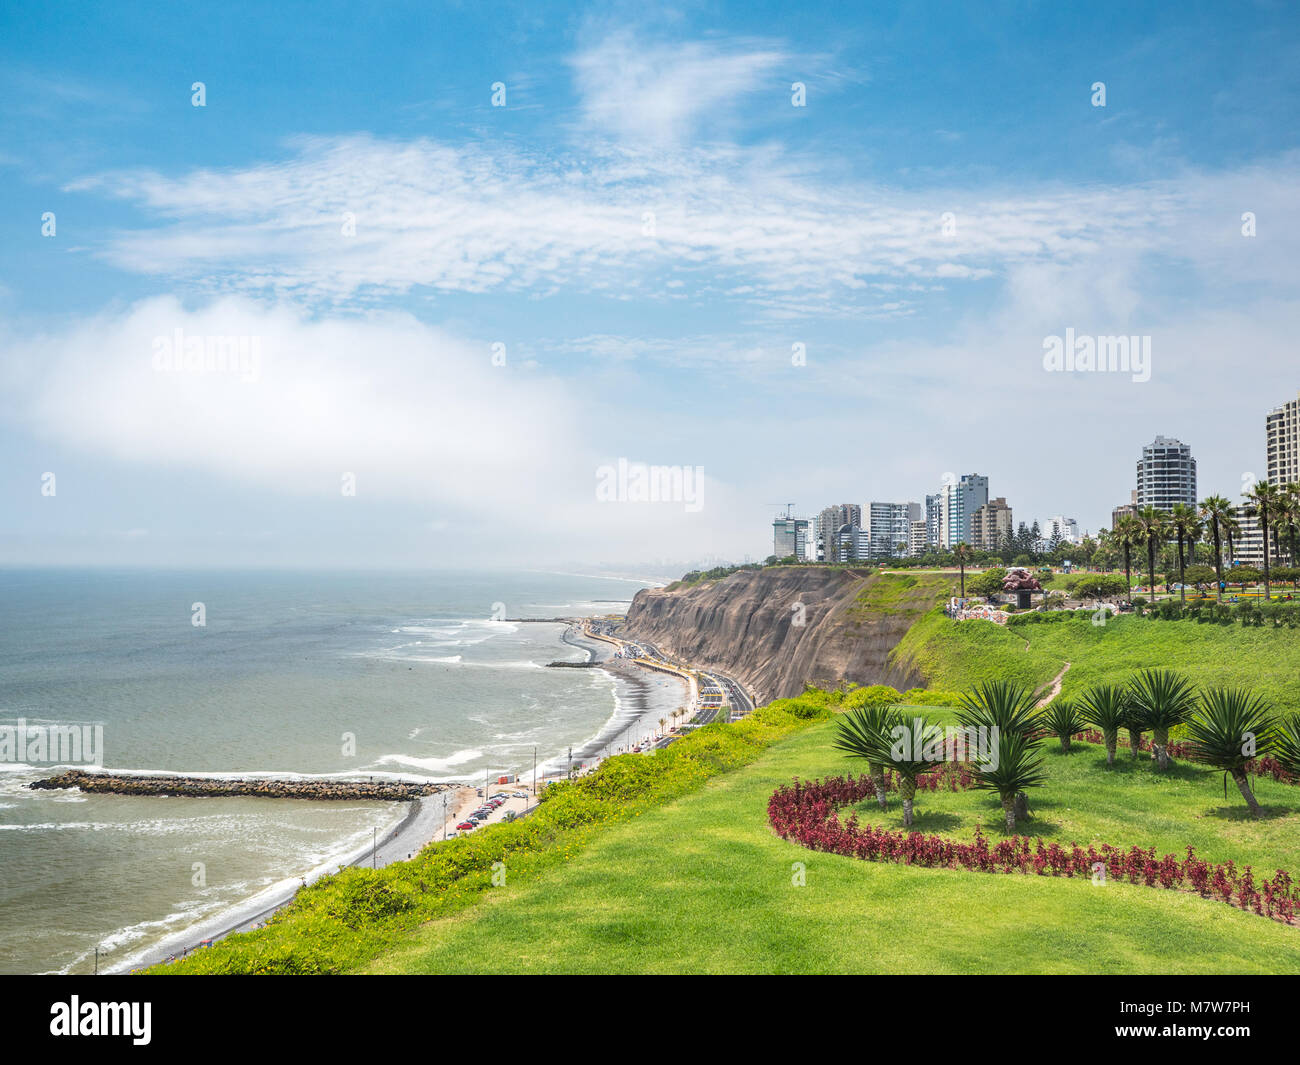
956, 655
702, 885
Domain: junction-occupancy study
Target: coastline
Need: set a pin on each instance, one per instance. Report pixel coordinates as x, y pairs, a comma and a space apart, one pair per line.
428, 820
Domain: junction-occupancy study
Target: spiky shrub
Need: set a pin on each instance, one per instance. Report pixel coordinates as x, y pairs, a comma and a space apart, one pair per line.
1018, 768
1160, 700
1003, 704
1230, 727
909, 746
1066, 719
1286, 743
1105, 707
864, 733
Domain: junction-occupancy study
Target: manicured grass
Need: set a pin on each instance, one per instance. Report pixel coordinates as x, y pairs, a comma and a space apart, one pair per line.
956, 655
701, 884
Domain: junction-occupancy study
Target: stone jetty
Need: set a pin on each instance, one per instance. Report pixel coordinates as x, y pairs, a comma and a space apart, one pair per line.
208, 787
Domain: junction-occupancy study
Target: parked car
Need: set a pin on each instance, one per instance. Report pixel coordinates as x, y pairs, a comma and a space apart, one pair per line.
466, 826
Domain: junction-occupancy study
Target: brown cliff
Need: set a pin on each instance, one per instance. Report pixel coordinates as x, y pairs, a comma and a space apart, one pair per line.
745, 625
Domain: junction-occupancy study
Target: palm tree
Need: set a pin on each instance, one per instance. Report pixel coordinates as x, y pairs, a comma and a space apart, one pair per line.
1065, 719
1154, 524
1018, 767
1286, 743
903, 748
1264, 501
662, 722
1105, 707
864, 733
1000, 704
1187, 526
1288, 524
1218, 512
1128, 535
962, 553
1135, 726
1161, 699
1230, 727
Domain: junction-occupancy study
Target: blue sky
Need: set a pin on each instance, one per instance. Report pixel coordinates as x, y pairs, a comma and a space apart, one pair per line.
648, 226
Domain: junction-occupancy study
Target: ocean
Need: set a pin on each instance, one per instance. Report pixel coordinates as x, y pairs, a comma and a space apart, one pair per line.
291, 673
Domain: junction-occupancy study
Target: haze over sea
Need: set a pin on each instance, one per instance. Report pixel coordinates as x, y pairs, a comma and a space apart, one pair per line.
286, 665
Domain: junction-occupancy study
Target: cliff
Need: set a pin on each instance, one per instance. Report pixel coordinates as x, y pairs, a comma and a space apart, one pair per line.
748, 625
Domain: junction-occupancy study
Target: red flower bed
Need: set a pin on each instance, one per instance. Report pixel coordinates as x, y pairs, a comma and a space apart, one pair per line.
806, 814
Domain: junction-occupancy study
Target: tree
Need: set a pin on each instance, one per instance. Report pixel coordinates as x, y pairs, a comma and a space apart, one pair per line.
1154, 526
1001, 704
1264, 501
962, 554
1105, 707
989, 582
908, 748
1065, 719
1161, 699
1128, 535
1187, 527
1018, 768
1286, 743
1230, 727
864, 733
1218, 512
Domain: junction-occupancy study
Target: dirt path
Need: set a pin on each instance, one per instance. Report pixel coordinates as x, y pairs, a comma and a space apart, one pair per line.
1056, 688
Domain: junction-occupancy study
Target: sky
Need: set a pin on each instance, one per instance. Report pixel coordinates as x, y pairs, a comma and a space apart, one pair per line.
433, 274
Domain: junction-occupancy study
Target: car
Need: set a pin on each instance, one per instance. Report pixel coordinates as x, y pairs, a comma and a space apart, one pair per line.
466, 826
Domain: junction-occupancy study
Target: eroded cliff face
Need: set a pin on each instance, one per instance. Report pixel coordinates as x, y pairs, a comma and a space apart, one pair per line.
746, 625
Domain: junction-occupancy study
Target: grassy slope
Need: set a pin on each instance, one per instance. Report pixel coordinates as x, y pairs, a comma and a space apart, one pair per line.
954, 655
703, 885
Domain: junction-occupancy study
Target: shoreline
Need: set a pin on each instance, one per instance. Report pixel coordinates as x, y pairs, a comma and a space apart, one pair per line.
424, 822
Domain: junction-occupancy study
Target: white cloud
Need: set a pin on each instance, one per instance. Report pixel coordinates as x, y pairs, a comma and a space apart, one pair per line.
649, 92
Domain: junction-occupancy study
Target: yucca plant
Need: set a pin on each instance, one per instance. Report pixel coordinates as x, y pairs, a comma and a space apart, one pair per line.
1161, 699
1105, 707
902, 748
1018, 767
864, 733
1134, 726
1230, 727
1003, 704
1065, 719
1286, 743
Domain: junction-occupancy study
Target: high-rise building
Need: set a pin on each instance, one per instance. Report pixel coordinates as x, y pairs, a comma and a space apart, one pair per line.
990, 525
829, 523
1282, 429
918, 540
891, 528
934, 519
790, 537
960, 499
1166, 474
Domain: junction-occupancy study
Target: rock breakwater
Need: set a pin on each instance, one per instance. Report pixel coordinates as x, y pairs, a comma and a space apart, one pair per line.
210, 787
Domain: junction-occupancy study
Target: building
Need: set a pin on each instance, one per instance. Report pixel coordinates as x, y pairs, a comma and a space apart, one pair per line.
1061, 529
934, 519
1166, 474
792, 536
990, 525
890, 526
1248, 542
1124, 510
960, 499
1282, 430
918, 540
829, 523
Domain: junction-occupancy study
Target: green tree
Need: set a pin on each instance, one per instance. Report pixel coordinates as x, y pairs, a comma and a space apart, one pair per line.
1186, 525
1263, 502
1230, 727
1154, 525
864, 733
1065, 719
1105, 707
1219, 515
1161, 699
1018, 767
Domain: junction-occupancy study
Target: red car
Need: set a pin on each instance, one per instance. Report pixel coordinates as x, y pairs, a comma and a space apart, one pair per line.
466, 826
